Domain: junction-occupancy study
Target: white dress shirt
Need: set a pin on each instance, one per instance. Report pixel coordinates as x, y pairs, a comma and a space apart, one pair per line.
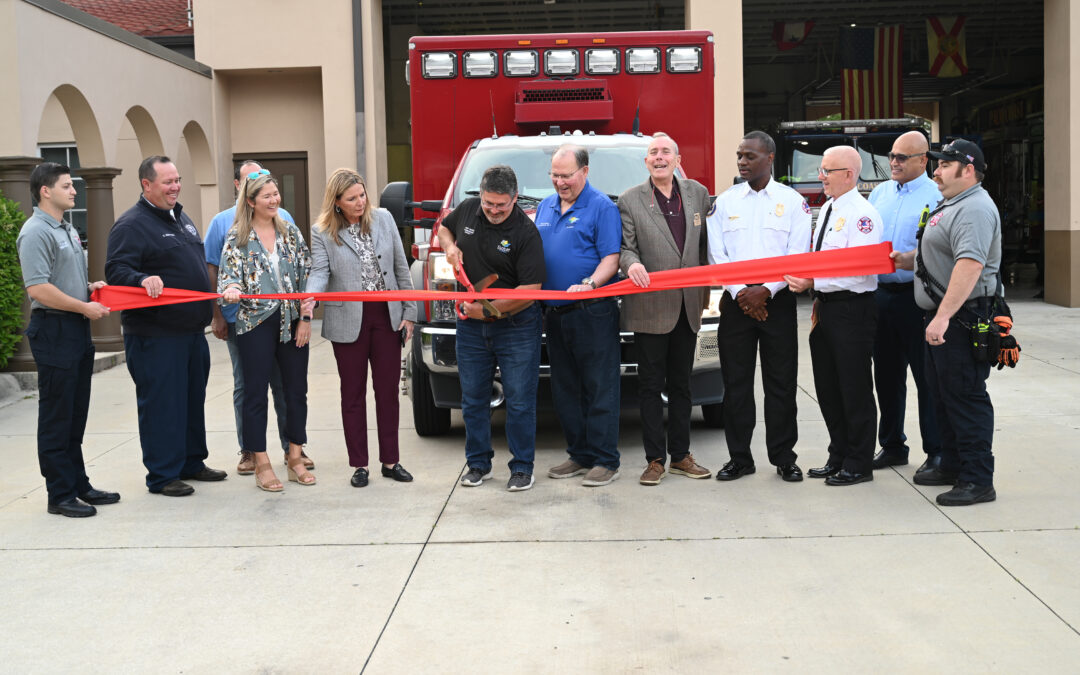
747, 225
853, 221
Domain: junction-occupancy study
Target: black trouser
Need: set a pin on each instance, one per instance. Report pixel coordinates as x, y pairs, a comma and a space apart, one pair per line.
258, 347
60, 342
739, 336
900, 343
841, 345
965, 413
664, 365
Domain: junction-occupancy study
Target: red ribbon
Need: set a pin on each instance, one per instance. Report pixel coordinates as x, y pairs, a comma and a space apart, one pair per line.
843, 262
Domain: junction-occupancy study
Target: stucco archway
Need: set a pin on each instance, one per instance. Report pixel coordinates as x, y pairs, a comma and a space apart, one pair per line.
84, 125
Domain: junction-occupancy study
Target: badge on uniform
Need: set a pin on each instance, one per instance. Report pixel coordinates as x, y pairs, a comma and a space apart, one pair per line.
866, 226
712, 209
805, 207
839, 225
697, 220
934, 220
779, 210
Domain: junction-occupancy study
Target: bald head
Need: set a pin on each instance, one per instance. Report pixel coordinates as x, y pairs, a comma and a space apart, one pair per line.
908, 157
842, 164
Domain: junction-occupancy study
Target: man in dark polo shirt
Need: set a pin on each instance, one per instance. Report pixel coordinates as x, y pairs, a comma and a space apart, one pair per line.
492, 235
54, 272
582, 235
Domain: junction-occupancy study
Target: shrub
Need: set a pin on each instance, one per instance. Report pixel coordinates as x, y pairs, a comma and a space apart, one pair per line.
11, 283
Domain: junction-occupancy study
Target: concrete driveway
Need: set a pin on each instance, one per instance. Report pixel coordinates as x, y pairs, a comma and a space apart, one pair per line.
756, 575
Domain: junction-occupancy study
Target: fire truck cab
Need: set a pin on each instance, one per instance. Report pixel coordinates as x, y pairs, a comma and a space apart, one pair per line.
477, 101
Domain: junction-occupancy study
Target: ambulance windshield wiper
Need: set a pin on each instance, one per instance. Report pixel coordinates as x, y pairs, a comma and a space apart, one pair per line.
534, 200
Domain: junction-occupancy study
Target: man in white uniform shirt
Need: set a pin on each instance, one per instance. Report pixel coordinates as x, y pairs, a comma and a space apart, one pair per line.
844, 324
758, 218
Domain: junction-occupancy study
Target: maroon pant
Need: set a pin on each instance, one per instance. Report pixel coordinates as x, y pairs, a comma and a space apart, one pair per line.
379, 344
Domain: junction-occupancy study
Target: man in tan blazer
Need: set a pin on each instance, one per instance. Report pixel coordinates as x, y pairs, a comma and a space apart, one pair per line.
664, 228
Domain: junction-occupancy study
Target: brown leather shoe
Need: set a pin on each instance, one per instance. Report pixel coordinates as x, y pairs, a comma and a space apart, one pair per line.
688, 467
653, 473
246, 467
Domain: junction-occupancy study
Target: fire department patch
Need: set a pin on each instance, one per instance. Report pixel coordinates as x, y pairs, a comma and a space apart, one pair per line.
805, 207
865, 225
191, 229
934, 220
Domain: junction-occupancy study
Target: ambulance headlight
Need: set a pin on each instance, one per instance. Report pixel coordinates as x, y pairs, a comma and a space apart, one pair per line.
480, 64
439, 65
643, 60
521, 64
441, 269
684, 59
601, 61
560, 62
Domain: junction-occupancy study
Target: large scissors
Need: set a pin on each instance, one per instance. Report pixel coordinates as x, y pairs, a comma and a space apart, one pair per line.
463, 279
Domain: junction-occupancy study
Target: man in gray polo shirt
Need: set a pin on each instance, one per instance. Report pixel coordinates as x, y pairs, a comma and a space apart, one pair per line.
54, 272
956, 280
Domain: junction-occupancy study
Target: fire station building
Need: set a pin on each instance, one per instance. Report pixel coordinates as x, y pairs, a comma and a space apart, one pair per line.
306, 87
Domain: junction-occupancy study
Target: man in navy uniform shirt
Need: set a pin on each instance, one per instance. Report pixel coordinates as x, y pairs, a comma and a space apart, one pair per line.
582, 234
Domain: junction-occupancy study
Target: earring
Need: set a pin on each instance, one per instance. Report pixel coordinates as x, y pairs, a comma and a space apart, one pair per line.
337, 209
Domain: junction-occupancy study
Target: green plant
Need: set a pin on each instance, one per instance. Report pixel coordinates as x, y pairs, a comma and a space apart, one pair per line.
11, 286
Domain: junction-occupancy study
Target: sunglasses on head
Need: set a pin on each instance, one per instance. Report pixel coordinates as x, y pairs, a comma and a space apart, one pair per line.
255, 174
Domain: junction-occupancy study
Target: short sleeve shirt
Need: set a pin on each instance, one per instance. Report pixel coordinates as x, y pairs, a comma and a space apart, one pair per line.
853, 221
511, 249
576, 241
50, 252
901, 207
966, 226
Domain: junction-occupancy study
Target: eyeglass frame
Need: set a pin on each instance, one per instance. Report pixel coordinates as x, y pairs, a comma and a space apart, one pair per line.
564, 176
822, 171
498, 207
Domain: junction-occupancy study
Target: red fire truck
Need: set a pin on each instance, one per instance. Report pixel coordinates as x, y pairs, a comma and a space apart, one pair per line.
477, 101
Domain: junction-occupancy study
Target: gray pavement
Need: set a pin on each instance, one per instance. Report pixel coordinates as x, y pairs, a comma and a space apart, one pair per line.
757, 575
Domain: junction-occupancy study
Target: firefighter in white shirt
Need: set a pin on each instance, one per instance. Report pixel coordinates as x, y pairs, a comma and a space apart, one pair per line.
844, 323
758, 218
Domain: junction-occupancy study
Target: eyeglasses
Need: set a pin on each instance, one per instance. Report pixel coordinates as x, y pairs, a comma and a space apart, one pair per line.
564, 176
822, 171
897, 157
255, 174
492, 206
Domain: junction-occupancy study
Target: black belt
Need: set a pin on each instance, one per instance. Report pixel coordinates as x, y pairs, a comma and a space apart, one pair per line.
897, 287
839, 295
580, 304
56, 312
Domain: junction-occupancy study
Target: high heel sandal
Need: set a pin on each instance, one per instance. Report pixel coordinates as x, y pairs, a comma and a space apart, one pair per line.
272, 485
305, 477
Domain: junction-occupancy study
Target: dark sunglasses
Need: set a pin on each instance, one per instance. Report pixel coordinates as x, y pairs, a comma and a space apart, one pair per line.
897, 157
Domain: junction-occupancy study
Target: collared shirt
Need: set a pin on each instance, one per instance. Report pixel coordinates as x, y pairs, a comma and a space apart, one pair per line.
966, 226
250, 267
901, 207
576, 241
50, 252
215, 241
671, 208
745, 224
853, 221
512, 249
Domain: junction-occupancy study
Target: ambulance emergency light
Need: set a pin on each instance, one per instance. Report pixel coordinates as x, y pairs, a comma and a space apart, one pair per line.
643, 60
439, 65
684, 59
560, 62
521, 63
601, 61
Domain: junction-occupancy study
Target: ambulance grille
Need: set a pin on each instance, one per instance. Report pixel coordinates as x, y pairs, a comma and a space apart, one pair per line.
558, 95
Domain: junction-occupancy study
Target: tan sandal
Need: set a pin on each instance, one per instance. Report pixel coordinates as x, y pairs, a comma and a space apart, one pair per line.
304, 477
272, 485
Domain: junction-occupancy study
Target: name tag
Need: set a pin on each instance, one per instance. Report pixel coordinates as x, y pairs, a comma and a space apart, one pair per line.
697, 220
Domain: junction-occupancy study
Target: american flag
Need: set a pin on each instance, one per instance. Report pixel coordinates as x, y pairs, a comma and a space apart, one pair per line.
870, 62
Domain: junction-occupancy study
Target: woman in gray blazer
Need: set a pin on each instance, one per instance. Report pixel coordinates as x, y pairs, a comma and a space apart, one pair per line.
356, 247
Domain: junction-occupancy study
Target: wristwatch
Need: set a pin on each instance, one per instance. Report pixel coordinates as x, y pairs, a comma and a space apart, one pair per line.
487, 312
588, 280
306, 319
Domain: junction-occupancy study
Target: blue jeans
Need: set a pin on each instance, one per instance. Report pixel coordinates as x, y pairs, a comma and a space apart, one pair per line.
276, 389
583, 347
512, 344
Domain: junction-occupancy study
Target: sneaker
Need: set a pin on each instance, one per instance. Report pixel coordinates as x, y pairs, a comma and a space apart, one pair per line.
688, 467
653, 473
519, 480
600, 475
246, 467
966, 494
474, 477
567, 469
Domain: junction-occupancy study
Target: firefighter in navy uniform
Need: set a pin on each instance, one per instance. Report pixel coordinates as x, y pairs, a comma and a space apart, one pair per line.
957, 265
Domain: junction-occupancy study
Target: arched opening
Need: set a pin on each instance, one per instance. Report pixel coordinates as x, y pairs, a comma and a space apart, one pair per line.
193, 159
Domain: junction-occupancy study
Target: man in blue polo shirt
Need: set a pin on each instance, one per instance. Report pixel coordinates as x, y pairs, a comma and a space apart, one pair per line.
582, 234
899, 344
224, 327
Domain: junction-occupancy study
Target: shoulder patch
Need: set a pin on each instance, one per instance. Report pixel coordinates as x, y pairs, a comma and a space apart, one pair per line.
805, 206
712, 209
865, 225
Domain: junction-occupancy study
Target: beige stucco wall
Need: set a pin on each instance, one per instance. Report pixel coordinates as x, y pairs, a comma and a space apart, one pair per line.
281, 36
724, 19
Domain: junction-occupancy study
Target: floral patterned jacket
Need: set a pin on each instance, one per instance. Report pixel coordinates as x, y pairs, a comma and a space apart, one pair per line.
249, 267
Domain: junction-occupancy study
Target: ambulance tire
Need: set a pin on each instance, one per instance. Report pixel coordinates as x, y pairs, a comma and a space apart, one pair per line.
714, 415
428, 419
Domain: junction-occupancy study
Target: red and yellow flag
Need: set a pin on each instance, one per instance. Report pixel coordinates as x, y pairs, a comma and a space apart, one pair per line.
945, 38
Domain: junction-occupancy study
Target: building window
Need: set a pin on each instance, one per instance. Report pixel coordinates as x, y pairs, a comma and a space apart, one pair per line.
69, 156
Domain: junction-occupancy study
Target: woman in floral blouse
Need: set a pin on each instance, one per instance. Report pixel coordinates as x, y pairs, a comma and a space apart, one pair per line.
265, 254
356, 247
